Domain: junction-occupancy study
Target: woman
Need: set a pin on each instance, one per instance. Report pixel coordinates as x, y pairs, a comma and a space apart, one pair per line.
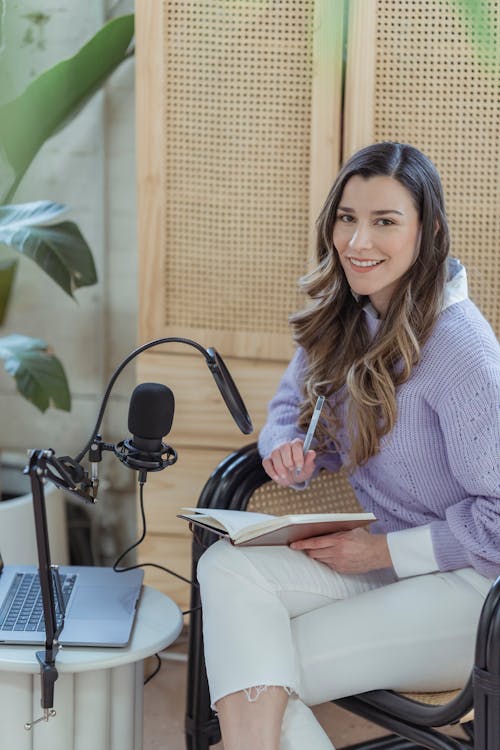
411, 373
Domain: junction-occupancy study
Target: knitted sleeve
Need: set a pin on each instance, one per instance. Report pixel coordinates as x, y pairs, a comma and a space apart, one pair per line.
470, 421
283, 412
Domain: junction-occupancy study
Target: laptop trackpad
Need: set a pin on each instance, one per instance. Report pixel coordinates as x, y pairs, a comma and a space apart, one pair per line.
95, 601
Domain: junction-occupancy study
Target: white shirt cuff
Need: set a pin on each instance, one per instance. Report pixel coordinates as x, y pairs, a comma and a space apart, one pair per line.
412, 552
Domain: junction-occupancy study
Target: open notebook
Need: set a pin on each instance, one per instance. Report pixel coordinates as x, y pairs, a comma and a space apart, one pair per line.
98, 605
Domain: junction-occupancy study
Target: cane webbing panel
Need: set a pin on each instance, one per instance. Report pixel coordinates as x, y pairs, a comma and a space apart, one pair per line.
435, 89
439, 699
238, 80
327, 493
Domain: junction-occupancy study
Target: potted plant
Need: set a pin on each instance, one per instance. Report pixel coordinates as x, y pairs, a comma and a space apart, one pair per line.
40, 230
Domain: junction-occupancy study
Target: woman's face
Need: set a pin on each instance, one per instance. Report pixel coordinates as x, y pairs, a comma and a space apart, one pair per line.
376, 234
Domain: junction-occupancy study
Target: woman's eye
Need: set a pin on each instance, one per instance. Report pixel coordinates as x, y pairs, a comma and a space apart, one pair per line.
385, 222
344, 218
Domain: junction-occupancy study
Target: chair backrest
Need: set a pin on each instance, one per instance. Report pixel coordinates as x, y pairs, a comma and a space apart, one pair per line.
326, 493
240, 483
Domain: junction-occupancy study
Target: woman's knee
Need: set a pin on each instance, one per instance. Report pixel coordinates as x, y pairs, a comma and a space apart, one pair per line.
216, 558
222, 565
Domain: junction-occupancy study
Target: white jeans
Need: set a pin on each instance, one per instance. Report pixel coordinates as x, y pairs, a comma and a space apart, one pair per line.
274, 616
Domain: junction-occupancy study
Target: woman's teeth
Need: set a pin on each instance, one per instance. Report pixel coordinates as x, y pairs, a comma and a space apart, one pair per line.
365, 263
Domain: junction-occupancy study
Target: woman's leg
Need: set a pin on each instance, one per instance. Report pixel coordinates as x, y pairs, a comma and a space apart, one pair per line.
273, 722
249, 596
416, 634
273, 617
252, 725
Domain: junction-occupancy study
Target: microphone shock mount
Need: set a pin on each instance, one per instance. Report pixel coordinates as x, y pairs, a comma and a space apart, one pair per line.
134, 458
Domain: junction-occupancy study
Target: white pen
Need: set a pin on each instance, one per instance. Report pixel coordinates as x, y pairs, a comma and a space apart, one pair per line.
312, 427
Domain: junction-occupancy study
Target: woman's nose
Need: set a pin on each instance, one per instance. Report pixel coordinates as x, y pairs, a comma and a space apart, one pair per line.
361, 238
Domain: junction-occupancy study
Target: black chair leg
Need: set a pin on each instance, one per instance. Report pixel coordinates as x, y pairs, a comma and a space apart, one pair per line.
486, 676
201, 725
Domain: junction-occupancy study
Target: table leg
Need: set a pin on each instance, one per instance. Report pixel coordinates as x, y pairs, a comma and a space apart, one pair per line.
123, 702
139, 704
92, 710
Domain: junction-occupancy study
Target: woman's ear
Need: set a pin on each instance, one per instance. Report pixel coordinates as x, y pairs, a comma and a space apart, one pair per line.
437, 227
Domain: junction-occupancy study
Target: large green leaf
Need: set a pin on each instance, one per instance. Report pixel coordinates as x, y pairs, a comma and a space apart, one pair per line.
39, 375
59, 248
56, 95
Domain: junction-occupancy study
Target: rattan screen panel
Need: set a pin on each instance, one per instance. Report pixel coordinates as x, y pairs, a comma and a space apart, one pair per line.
434, 90
327, 493
238, 78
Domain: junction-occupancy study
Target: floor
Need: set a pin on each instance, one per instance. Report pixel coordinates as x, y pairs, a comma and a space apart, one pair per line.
164, 701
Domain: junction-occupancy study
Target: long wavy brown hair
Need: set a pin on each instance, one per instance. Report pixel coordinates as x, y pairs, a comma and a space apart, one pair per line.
360, 376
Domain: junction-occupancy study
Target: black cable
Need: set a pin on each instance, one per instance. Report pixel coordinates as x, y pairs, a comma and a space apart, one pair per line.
141, 539
188, 611
153, 565
155, 671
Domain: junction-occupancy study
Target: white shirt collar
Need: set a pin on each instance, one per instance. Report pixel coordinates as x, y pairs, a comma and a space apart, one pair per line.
456, 288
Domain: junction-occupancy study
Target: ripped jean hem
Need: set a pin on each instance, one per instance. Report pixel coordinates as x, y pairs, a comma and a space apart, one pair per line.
254, 692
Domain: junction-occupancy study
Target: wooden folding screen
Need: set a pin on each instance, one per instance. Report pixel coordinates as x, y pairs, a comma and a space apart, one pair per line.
238, 139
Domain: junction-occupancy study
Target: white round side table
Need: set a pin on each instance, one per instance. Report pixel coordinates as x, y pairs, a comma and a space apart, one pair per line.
98, 695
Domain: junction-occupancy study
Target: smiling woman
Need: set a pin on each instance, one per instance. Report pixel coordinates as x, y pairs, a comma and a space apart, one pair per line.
383, 240
410, 373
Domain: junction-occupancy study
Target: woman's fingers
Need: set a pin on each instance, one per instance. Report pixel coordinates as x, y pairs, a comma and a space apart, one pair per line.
287, 465
355, 551
308, 462
297, 450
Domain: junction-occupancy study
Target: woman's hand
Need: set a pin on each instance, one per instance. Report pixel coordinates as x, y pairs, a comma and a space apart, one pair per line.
355, 551
287, 464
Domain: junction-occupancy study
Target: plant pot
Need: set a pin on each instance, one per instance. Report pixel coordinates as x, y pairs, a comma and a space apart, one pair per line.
17, 525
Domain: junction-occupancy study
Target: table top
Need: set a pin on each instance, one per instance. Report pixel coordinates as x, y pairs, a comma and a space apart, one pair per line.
157, 624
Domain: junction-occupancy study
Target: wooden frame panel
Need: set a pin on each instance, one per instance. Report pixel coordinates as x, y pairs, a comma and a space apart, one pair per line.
359, 101
150, 148
324, 148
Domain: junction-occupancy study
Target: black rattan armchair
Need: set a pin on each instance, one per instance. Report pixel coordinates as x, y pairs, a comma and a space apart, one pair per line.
239, 482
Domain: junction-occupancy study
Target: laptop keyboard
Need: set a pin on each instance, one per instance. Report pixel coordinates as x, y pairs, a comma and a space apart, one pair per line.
23, 608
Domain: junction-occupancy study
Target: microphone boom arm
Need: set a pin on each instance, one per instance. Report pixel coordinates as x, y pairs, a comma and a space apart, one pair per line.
221, 374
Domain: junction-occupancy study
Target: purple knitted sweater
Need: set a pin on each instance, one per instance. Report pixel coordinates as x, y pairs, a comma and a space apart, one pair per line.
440, 465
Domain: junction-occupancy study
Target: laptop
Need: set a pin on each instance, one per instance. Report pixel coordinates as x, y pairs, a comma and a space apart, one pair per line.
96, 605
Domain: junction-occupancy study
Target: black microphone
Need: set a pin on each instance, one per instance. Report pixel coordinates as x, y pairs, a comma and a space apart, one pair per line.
150, 416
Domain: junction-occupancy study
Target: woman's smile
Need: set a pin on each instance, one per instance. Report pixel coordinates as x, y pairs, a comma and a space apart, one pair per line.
362, 266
